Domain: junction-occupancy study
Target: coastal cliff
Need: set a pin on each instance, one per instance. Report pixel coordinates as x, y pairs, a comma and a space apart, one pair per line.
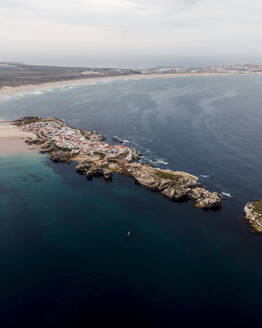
94, 157
253, 214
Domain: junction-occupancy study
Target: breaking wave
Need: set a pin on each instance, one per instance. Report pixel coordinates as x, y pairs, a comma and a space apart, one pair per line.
158, 162
147, 155
204, 176
226, 194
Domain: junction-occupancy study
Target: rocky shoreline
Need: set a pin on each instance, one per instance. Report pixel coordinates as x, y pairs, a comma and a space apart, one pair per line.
94, 157
253, 214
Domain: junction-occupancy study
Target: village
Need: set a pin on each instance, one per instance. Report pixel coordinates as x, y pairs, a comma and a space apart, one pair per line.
77, 141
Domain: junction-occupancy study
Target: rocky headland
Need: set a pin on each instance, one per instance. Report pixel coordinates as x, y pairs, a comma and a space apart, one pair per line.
94, 157
253, 214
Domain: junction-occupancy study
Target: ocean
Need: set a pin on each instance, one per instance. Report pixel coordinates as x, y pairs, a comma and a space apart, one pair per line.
66, 259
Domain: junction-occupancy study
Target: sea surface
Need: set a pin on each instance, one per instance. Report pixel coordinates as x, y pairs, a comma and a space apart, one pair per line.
66, 259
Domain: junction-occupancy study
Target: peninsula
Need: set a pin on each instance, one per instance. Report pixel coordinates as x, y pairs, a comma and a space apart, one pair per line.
95, 157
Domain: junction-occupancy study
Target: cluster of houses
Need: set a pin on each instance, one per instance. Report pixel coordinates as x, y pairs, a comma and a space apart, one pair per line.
72, 139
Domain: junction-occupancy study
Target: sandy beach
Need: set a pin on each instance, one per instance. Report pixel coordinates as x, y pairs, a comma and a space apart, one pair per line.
12, 140
7, 91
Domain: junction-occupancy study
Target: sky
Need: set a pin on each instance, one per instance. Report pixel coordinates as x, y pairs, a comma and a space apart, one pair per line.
104, 32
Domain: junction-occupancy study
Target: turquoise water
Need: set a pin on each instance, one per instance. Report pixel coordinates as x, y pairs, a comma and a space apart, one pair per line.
65, 256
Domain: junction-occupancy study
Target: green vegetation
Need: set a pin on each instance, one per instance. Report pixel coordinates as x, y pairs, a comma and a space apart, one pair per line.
26, 121
87, 138
87, 162
113, 169
83, 132
18, 123
59, 148
258, 206
101, 155
66, 150
165, 175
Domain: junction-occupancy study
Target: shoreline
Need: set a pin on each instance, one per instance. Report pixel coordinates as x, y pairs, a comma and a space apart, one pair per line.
12, 140
27, 88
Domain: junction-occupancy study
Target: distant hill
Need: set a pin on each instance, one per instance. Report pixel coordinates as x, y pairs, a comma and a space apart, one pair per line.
15, 74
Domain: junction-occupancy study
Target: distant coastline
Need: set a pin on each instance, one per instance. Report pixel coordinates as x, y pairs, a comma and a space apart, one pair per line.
23, 78
6, 91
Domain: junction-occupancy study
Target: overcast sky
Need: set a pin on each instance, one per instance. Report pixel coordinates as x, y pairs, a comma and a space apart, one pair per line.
46, 30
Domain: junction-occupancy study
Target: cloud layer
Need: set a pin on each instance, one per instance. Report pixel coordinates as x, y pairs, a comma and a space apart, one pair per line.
125, 27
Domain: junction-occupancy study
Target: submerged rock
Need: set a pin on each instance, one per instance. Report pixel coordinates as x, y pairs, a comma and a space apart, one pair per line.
253, 214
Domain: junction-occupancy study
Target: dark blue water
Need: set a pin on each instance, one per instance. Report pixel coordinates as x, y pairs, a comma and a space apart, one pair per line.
66, 260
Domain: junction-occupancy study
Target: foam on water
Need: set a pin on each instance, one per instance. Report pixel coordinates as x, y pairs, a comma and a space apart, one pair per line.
207, 176
226, 194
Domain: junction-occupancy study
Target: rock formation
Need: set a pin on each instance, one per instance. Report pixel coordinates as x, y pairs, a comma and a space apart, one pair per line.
253, 214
